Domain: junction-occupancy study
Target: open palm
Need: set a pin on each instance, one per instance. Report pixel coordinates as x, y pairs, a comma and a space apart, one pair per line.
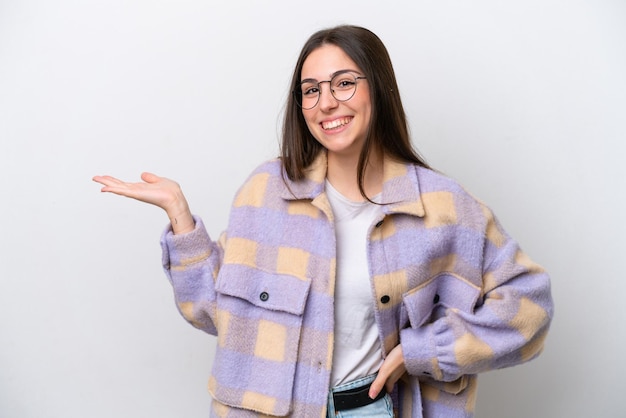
155, 190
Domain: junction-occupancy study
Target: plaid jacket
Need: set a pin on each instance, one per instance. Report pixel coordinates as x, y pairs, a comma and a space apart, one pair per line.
447, 283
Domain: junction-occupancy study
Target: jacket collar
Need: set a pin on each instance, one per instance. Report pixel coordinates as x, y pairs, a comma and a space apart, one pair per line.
401, 193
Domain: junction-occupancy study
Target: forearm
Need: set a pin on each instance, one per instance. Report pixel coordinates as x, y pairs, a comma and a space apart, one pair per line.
191, 262
507, 327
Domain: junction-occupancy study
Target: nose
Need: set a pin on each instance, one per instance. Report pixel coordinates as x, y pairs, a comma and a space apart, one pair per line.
326, 101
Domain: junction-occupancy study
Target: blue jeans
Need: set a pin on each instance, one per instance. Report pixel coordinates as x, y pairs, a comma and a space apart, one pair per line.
381, 408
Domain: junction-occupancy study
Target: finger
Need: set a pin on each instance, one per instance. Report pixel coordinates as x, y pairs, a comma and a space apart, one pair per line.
113, 185
377, 385
149, 177
107, 180
99, 179
389, 385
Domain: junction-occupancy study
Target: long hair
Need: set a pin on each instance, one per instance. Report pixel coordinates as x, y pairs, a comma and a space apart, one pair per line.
388, 130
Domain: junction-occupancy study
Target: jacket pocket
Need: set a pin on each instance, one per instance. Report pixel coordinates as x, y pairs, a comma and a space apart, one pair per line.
429, 301
259, 320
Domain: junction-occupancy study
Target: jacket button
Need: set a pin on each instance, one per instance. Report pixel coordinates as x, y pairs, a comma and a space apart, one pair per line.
379, 224
436, 298
385, 299
264, 296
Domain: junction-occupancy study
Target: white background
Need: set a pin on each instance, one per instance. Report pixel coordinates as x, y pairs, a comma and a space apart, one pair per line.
524, 102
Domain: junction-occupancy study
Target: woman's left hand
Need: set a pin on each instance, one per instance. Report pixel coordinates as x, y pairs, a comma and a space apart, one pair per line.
391, 370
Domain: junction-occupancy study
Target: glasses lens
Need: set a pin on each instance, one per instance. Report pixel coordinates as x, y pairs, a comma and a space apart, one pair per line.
343, 86
308, 95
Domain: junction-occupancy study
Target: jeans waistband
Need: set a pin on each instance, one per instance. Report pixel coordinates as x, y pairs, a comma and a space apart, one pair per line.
354, 394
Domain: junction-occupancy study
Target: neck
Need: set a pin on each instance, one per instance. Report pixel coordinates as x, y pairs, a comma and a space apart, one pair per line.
343, 175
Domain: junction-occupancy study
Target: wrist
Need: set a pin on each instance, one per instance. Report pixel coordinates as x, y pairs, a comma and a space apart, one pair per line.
181, 218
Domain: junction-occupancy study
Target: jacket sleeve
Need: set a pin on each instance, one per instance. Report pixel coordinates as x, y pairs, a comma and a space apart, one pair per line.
506, 323
191, 262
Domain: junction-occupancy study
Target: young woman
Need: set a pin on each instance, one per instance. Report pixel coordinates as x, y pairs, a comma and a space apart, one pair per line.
352, 280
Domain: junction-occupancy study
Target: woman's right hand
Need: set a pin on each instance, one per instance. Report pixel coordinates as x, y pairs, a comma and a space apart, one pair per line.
155, 190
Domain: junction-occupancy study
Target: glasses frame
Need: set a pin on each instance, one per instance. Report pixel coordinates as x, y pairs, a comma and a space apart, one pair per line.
298, 92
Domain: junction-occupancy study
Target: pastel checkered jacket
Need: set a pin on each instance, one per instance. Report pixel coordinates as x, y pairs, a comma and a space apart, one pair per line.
447, 283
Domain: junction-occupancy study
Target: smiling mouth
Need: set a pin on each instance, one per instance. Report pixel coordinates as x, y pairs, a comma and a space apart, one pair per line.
337, 123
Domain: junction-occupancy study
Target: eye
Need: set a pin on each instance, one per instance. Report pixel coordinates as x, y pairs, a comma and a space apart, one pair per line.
310, 89
344, 82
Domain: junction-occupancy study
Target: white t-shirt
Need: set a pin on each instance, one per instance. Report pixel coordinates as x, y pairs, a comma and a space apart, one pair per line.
357, 351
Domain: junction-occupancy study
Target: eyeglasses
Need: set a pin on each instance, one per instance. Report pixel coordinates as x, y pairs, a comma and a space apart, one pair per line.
342, 87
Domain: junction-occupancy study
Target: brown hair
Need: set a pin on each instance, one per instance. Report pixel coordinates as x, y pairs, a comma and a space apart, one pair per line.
388, 130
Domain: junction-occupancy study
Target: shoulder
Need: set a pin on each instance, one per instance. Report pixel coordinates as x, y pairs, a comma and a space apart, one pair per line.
431, 180
265, 181
273, 167
270, 169
440, 192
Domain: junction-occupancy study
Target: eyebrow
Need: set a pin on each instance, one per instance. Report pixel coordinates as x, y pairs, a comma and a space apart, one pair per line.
314, 80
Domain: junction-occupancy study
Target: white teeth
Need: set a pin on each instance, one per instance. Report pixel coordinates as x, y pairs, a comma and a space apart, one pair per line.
335, 123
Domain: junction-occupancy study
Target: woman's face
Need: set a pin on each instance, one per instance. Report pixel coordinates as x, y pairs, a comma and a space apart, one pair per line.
341, 127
